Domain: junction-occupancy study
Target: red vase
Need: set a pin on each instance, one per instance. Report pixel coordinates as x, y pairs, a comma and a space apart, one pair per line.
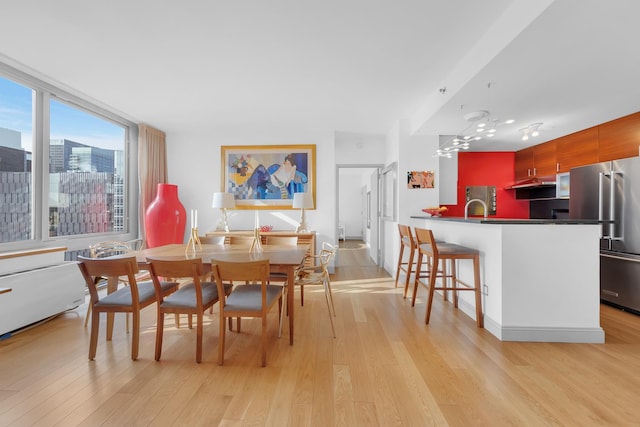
165, 218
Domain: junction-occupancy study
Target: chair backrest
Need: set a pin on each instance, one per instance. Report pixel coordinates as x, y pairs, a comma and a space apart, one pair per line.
424, 236
406, 237
326, 246
282, 240
191, 269
212, 240
92, 268
109, 248
240, 240
237, 272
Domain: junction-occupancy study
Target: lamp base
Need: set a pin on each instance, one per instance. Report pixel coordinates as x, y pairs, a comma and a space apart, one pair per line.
222, 224
302, 228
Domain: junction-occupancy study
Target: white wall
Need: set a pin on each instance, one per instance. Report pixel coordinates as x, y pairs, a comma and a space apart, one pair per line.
194, 165
411, 153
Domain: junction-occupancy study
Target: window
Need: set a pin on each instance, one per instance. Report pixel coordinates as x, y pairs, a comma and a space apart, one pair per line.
86, 173
64, 169
16, 186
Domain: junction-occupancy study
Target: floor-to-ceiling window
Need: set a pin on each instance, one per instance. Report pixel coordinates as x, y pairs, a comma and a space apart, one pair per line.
64, 169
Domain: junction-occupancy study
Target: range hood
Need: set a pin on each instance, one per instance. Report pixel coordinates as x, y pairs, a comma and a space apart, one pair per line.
533, 183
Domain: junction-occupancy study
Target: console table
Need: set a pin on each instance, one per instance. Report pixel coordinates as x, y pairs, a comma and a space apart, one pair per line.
304, 239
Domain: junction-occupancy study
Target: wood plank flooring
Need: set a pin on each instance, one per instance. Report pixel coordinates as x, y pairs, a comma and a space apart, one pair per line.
386, 367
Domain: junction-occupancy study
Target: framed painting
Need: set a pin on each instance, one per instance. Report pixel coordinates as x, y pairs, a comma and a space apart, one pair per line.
267, 176
420, 179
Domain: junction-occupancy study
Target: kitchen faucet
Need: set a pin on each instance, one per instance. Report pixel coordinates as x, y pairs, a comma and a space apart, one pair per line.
466, 207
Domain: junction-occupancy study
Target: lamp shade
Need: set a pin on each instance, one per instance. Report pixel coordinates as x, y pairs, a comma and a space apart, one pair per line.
302, 201
223, 200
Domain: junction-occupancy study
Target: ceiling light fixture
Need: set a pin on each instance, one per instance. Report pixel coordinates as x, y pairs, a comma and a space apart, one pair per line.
530, 131
480, 124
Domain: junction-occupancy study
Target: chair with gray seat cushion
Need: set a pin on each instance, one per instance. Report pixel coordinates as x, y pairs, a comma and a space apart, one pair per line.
112, 248
254, 299
129, 299
193, 298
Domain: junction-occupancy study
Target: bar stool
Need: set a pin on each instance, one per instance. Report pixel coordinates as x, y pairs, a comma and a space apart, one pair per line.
427, 247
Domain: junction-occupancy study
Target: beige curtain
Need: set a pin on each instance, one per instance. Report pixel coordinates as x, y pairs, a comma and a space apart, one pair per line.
152, 166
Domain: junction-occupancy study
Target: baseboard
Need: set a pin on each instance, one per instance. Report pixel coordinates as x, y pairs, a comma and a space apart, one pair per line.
538, 333
541, 334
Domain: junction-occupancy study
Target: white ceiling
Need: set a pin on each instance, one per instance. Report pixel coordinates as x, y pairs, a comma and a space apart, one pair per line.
338, 65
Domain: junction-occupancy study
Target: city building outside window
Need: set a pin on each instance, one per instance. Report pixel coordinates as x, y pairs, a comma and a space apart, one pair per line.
63, 172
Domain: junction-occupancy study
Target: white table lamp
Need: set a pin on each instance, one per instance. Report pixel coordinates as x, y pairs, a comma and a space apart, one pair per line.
223, 201
302, 201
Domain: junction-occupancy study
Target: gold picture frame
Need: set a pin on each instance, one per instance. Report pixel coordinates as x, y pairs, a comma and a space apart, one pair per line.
267, 176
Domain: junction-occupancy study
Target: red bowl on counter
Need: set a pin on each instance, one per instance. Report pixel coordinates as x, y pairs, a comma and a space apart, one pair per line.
433, 212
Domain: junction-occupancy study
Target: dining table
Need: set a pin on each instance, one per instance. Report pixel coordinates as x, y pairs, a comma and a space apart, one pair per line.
282, 259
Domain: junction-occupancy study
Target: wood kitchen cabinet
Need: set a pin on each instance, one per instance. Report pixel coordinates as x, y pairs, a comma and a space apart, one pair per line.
619, 138
577, 149
536, 161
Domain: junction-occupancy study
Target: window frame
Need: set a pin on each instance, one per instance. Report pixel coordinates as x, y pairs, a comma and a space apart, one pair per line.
43, 93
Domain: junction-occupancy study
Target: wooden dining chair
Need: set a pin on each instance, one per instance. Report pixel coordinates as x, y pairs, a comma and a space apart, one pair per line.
111, 248
241, 240
254, 299
128, 299
193, 298
212, 240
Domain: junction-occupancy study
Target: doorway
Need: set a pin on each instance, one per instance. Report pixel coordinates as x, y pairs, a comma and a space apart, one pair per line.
358, 206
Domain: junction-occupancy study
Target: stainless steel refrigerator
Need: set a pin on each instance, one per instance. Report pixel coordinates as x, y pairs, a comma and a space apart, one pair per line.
611, 191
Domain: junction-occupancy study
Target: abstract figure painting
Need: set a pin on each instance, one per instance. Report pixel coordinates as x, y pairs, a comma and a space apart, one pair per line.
420, 179
267, 176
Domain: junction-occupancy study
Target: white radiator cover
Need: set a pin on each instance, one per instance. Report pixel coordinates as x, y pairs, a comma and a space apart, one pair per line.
39, 293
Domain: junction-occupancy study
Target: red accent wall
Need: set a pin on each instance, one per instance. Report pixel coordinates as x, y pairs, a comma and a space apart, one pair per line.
494, 169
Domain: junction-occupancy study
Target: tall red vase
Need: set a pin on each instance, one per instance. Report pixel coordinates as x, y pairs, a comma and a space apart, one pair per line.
165, 218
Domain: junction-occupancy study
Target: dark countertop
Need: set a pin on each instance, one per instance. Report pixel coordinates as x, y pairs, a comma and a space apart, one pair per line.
481, 220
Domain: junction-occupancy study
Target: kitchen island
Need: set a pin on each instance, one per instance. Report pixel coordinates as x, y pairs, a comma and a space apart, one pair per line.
541, 278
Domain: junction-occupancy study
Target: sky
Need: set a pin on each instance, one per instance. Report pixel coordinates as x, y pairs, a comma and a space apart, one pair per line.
66, 122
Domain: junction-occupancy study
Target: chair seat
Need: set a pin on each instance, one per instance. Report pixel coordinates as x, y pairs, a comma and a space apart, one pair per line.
185, 297
146, 293
449, 249
307, 278
249, 297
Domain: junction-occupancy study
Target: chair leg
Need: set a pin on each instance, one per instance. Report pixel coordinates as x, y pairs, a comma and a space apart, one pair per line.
159, 333
199, 328
409, 269
327, 294
454, 283
432, 285
476, 276
301, 294
264, 340
135, 339
86, 318
417, 278
281, 307
93, 342
399, 266
330, 292
221, 337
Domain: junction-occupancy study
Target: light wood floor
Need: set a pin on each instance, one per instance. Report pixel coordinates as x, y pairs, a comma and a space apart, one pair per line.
386, 367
